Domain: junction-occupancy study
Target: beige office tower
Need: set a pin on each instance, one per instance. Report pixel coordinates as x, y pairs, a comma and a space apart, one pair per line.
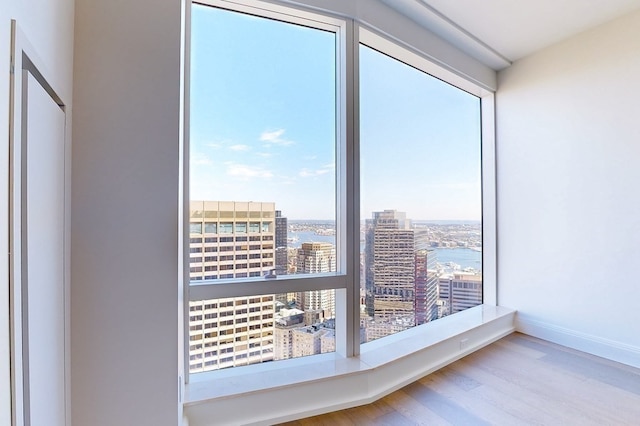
230, 240
460, 291
389, 272
316, 258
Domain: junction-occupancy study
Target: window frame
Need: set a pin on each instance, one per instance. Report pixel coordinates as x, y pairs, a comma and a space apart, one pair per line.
350, 33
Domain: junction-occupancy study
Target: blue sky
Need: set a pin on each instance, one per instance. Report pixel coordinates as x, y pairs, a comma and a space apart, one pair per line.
263, 124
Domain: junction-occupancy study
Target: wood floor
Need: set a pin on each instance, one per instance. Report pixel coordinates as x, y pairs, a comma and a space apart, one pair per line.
519, 380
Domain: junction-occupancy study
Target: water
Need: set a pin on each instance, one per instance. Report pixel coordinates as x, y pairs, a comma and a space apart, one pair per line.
464, 257
309, 237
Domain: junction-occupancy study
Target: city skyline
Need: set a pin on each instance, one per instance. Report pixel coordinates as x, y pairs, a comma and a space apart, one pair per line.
402, 283
264, 126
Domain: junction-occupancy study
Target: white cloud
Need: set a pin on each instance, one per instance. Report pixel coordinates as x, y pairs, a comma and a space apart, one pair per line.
311, 173
239, 147
200, 159
274, 137
327, 168
246, 172
216, 143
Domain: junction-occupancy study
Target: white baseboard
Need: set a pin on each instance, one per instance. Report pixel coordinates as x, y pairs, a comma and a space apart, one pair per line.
605, 348
372, 375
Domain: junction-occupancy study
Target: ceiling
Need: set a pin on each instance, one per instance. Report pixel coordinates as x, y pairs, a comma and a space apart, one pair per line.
498, 32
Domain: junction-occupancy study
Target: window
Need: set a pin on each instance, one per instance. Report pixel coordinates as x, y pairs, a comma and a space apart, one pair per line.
416, 200
272, 160
226, 227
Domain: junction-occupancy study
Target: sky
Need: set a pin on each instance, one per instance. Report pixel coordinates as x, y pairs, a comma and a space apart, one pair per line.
263, 124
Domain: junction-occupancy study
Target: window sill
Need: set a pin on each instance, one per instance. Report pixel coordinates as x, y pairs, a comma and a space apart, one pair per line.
308, 385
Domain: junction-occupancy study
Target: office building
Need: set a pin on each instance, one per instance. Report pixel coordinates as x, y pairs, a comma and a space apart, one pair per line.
281, 244
460, 291
314, 339
390, 269
426, 286
286, 320
231, 240
316, 258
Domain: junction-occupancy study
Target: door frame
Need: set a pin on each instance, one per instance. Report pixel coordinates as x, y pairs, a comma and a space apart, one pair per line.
25, 58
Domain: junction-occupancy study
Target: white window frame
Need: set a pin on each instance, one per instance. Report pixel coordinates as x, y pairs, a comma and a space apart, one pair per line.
349, 34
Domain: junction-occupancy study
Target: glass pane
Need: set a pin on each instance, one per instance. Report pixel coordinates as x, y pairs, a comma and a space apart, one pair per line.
262, 138
248, 330
262, 159
195, 228
421, 241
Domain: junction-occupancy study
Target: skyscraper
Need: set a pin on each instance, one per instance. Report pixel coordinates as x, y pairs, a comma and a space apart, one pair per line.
316, 258
281, 244
389, 271
231, 240
426, 286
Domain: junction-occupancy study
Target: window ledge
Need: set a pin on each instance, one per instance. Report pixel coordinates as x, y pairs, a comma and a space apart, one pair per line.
308, 385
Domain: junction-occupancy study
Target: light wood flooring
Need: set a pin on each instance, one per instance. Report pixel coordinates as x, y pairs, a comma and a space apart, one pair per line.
518, 380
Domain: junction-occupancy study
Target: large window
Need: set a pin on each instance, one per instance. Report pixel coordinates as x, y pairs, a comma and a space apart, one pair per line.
327, 208
420, 194
263, 148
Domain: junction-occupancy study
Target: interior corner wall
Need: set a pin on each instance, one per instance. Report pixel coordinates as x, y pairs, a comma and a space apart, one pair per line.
47, 25
124, 238
568, 167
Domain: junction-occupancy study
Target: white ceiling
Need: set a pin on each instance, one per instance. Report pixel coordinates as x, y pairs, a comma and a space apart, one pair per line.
498, 32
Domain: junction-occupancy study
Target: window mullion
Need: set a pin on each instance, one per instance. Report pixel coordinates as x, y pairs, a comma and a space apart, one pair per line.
348, 337
217, 290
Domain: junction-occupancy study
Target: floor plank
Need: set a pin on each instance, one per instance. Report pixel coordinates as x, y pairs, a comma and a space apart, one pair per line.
519, 380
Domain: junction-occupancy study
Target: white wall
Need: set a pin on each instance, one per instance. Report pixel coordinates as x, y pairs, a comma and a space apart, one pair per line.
48, 27
124, 230
568, 137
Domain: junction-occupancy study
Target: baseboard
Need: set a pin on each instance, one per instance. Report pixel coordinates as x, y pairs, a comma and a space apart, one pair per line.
373, 375
605, 348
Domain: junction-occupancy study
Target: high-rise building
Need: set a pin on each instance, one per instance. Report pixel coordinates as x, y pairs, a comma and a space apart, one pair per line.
426, 286
231, 240
281, 244
316, 258
460, 291
389, 270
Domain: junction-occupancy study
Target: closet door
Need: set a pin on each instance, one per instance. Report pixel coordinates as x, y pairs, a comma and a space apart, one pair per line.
43, 301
